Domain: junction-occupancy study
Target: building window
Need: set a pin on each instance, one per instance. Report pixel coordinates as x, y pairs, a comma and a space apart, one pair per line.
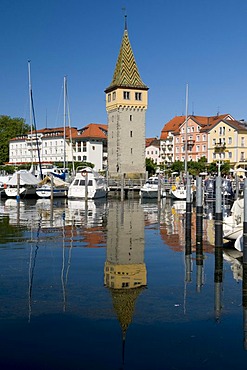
204, 137
192, 128
114, 95
131, 117
93, 147
138, 96
84, 158
109, 98
177, 139
229, 155
242, 141
131, 151
242, 156
204, 148
230, 140
126, 95
197, 138
131, 133
84, 146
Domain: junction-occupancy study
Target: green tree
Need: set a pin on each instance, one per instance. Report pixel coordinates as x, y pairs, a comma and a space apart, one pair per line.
150, 166
10, 128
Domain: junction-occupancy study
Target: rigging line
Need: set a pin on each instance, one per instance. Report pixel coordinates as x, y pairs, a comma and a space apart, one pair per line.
58, 109
70, 133
36, 134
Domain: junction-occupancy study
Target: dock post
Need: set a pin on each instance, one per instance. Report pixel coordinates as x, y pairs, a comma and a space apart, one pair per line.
52, 186
18, 187
86, 187
245, 223
218, 272
199, 233
122, 186
159, 188
188, 194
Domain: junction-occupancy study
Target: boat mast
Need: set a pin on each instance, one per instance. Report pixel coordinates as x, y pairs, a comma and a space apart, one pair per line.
64, 121
186, 134
30, 107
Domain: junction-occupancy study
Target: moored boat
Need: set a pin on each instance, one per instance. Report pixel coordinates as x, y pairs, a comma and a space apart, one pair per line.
150, 189
48, 187
87, 183
233, 224
22, 184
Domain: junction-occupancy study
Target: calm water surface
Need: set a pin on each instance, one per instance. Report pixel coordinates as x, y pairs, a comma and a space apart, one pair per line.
113, 285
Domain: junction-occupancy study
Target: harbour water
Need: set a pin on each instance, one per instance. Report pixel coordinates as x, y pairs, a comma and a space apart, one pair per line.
111, 285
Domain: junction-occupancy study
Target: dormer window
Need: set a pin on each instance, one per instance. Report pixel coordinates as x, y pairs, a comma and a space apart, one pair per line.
126, 95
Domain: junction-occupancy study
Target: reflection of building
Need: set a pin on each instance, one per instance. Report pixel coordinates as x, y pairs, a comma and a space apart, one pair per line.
125, 271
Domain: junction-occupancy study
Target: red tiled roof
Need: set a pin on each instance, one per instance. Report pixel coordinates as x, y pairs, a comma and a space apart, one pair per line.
152, 141
174, 124
93, 130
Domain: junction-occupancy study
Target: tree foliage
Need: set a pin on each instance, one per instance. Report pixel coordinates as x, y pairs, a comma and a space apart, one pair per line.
10, 128
150, 166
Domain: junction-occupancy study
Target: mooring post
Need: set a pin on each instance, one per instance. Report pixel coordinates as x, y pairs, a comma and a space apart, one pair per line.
86, 187
245, 223
159, 188
218, 272
244, 304
52, 186
199, 233
236, 187
18, 187
122, 186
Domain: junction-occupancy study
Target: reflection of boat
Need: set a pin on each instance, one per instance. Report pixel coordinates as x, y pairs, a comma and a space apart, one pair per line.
151, 188
234, 257
27, 184
58, 189
87, 184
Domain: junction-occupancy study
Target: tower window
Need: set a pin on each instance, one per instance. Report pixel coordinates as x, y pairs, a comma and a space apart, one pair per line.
138, 96
131, 117
114, 95
126, 95
109, 98
131, 134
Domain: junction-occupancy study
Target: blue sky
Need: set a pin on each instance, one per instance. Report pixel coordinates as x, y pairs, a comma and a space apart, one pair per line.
175, 42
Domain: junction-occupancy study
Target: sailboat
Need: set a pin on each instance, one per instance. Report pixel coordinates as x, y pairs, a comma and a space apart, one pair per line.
23, 183
54, 184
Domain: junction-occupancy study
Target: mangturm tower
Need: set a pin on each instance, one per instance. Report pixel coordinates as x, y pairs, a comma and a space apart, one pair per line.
126, 104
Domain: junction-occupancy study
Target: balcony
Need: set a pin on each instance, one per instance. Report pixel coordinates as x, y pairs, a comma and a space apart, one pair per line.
220, 147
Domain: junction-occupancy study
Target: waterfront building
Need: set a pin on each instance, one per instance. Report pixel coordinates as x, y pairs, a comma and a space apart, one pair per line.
56, 145
126, 105
173, 137
152, 150
227, 142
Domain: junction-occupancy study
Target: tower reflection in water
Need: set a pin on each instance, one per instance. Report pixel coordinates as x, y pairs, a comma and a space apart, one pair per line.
125, 273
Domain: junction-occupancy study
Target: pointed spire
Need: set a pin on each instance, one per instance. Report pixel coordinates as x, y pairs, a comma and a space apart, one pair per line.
126, 73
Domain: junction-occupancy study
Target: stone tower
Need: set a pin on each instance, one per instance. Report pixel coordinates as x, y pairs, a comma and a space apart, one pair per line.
126, 104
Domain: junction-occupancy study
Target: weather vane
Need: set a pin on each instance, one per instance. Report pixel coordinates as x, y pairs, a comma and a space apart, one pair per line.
125, 18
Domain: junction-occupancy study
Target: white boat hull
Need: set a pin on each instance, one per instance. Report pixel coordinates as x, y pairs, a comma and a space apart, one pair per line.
12, 192
45, 192
87, 184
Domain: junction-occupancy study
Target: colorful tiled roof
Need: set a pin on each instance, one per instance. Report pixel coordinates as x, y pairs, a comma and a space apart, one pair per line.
126, 72
152, 141
205, 122
93, 130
